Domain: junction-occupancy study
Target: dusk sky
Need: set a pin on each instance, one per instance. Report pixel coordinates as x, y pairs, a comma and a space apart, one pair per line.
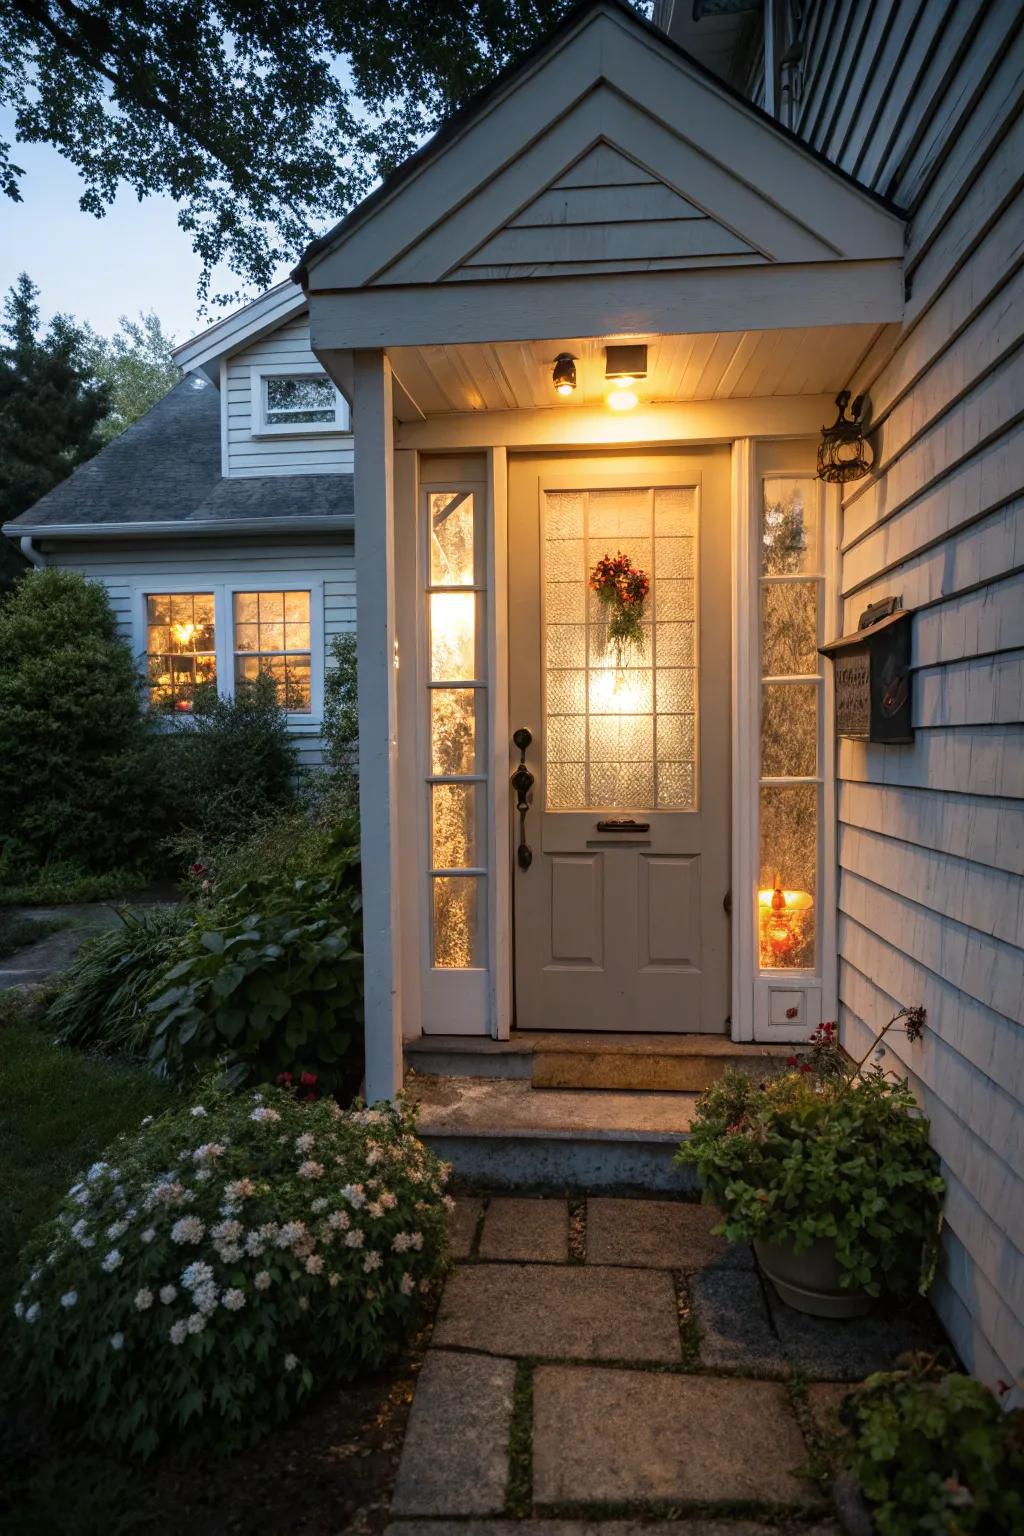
97, 269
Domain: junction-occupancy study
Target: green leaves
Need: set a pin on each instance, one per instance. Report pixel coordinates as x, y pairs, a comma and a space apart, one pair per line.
272, 983
792, 1160
935, 1452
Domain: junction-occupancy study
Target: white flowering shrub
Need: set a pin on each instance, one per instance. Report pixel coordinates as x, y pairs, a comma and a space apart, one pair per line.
227, 1260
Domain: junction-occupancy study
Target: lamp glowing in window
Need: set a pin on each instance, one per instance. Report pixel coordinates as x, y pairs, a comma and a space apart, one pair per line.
781, 916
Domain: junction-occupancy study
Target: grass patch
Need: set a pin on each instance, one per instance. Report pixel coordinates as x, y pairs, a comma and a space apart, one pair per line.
17, 930
519, 1492
60, 1110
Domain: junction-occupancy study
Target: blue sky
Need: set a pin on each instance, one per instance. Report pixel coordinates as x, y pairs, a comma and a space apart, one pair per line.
96, 269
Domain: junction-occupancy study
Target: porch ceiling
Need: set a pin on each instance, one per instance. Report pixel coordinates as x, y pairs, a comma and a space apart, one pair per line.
722, 365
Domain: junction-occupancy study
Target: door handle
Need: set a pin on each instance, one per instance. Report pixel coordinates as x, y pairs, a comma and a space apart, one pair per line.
522, 782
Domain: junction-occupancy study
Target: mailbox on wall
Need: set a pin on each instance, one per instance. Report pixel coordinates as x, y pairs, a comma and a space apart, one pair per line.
872, 676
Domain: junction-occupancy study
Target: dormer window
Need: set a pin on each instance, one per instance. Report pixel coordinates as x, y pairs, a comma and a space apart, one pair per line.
296, 401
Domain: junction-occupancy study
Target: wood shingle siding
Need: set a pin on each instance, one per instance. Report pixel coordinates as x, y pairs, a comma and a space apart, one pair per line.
923, 102
316, 454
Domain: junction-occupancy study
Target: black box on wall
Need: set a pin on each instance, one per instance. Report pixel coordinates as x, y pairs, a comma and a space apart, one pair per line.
872, 676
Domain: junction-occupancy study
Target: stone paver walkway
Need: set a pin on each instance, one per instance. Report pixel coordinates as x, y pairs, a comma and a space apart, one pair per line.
603, 1368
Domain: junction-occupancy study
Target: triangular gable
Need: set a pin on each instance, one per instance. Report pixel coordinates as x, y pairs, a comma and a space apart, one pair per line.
607, 151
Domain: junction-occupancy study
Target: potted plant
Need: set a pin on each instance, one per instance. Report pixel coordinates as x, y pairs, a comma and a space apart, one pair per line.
827, 1170
925, 1449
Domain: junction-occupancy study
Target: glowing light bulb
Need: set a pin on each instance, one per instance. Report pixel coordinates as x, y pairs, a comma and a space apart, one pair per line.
622, 400
183, 633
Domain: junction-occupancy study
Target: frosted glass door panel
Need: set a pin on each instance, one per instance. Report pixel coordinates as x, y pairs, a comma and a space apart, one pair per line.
620, 718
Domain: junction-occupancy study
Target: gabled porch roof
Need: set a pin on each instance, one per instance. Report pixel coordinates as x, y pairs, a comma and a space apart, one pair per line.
608, 185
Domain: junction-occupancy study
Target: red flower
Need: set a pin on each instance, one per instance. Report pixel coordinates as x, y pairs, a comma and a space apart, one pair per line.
197, 869
806, 1067
308, 1079
1002, 1387
284, 1078
309, 1098
792, 1061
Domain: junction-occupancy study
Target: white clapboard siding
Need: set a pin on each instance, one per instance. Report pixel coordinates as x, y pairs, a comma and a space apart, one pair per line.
126, 570
316, 454
923, 104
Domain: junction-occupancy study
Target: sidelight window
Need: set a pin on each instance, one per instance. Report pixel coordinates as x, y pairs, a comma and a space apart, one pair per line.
791, 592
456, 687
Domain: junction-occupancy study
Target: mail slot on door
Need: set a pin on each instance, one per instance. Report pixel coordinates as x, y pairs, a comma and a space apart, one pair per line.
873, 677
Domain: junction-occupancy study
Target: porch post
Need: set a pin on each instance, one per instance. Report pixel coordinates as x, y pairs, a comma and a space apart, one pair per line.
378, 721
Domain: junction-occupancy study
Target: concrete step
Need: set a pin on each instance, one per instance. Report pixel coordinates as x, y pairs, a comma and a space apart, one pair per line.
639, 1063
497, 1133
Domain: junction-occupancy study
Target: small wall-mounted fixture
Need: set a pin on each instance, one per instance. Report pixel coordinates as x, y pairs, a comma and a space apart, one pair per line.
843, 453
623, 366
871, 670
563, 375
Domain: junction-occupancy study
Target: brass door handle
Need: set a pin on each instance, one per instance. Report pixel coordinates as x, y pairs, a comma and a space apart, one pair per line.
522, 782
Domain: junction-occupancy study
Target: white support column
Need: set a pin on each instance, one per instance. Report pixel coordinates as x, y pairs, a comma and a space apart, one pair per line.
378, 718
744, 744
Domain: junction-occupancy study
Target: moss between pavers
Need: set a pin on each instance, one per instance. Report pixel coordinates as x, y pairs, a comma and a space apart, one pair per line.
519, 1493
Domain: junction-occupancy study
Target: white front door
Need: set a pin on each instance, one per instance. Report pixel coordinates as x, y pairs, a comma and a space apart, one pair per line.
620, 922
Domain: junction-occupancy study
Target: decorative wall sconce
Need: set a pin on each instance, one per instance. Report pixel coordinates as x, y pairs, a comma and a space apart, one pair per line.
623, 366
843, 453
563, 375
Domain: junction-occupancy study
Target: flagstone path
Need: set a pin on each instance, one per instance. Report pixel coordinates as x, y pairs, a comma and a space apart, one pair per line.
603, 1365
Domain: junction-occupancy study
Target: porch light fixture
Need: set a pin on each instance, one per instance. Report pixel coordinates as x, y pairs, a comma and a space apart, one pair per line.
563, 375
843, 453
623, 366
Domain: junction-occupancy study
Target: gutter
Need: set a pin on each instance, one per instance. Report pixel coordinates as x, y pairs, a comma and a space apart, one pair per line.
32, 555
343, 522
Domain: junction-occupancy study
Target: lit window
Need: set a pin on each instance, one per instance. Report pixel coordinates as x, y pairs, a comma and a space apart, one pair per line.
792, 703
272, 640
180, 651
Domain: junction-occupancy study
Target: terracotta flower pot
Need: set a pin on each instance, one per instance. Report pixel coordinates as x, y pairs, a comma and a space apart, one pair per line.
809, 1281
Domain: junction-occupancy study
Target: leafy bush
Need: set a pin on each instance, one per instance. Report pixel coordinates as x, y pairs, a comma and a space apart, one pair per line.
227, 1260
270, 981
105, 990
935, 1455
72, 771
804, 1156
231, 762
341, 713
313, 840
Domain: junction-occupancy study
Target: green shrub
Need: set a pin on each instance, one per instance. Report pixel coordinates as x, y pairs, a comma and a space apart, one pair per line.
312, 841
72, 770
231, 762
225, 1261
104, 992
341, 713
270, 981
935, 1455
803, 1156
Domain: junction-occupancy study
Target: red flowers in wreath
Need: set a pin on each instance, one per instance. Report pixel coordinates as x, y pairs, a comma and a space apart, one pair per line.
623, 589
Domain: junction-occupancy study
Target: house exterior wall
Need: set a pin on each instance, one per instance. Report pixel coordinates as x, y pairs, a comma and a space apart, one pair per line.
923, 104
129, 571
314, 454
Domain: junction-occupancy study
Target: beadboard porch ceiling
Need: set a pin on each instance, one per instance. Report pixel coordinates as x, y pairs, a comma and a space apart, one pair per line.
724, 365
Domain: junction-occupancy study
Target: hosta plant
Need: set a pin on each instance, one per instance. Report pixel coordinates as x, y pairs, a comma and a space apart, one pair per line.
225, 1261
825, 1150
935, 1452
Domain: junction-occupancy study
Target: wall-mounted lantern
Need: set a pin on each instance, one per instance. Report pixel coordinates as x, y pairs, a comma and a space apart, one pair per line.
872, 675
563, 374
844, 453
